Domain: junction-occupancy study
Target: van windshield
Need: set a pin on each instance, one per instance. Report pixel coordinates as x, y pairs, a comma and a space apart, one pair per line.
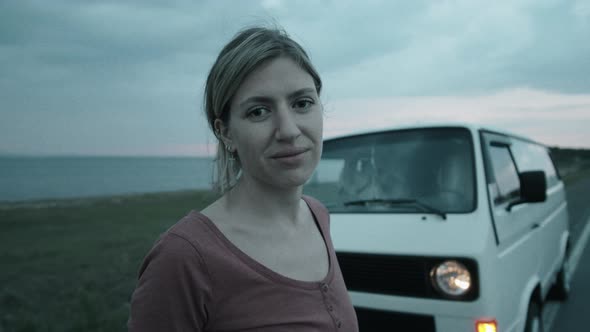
401, 171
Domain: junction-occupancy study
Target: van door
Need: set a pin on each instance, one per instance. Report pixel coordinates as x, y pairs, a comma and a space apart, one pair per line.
517, 234
551, 215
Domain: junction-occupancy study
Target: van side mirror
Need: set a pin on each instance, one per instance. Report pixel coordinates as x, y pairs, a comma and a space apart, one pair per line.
533, 188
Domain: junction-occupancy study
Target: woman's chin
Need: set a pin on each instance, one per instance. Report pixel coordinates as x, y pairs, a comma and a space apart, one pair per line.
293, 180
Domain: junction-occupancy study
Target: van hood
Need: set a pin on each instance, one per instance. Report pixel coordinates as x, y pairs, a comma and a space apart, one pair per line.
463, 235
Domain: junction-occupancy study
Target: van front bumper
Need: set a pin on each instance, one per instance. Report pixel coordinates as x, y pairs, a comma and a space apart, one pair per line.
375, 311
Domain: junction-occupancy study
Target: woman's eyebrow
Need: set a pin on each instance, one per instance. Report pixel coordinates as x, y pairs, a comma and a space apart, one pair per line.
255, 99
265, 99
301, 92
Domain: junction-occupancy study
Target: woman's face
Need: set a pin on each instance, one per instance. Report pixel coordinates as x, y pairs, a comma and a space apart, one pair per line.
275, 124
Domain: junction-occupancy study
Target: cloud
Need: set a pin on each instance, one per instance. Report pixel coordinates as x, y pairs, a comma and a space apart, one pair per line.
549, 117
470, 47
82, 74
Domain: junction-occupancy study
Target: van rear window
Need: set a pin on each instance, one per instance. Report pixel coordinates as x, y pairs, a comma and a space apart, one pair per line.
401, 171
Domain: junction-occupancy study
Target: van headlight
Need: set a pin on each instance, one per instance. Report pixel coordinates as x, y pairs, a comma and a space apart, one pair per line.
451, 278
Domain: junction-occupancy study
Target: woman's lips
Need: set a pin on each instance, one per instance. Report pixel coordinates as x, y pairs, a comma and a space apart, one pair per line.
288, 153
290, 157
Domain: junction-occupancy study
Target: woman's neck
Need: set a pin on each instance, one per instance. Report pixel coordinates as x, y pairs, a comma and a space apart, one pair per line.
263, 202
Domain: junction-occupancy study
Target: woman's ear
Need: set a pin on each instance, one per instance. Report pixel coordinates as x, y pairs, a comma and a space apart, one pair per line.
222, 132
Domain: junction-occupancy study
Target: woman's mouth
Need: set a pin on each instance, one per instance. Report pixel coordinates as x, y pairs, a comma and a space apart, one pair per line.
288, 153
290, 157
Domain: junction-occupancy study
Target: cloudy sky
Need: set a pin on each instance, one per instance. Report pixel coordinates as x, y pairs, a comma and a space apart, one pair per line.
126, 77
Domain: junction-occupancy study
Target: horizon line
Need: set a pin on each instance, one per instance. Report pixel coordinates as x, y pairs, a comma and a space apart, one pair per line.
203, 156
82, 155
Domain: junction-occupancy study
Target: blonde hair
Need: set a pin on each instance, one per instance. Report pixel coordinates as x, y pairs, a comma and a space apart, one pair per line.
242, 55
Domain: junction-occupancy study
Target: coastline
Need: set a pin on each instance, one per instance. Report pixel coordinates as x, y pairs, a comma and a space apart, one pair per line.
101, 199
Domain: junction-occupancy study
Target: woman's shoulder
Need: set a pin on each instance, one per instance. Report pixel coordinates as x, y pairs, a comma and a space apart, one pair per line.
183, 236
317, 208
174, 283
193, 229
183, 246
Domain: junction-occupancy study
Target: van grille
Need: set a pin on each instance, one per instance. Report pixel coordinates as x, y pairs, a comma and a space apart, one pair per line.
398, 275
370, 320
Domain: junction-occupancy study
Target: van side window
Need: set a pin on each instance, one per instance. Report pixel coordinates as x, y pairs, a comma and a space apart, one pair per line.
534, 157
505, 173
550, 171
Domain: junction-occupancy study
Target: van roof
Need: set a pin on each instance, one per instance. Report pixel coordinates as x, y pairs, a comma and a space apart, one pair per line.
473, 127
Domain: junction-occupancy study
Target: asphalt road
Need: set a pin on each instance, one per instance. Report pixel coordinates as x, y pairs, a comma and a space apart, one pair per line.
578, 198
572, 315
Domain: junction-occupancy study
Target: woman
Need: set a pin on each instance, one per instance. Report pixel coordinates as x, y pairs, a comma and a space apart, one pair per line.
259, 258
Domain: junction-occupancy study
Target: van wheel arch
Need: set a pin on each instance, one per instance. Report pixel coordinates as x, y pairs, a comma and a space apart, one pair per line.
560, 290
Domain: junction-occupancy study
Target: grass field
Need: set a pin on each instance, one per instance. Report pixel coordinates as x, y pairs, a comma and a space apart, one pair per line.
71, 265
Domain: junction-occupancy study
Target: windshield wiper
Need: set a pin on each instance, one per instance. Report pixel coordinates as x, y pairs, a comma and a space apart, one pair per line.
402, 201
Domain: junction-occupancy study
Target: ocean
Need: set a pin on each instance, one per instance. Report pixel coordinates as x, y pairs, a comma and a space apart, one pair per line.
39, 178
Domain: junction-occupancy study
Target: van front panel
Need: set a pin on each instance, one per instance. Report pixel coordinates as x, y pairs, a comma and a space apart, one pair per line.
407, 204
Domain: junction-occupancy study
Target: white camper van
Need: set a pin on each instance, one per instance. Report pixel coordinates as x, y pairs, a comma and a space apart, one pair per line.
445, 228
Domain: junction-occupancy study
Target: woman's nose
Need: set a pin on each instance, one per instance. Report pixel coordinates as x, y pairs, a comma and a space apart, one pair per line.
287, 127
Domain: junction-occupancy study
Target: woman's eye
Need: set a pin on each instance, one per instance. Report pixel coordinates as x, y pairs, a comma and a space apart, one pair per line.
303, 104
257, 113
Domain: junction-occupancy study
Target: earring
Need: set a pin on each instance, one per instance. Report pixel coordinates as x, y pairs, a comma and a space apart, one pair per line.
230, 152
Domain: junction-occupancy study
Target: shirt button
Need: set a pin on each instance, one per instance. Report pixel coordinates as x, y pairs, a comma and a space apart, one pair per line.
339, 324
325, 288
330, 308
